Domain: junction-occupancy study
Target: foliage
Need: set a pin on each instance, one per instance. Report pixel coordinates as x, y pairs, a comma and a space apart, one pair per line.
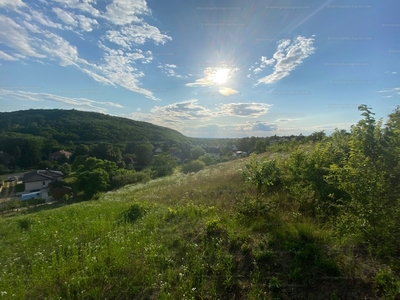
163, 164
66, 169
262, 174
193, 166
125, 177
95, 175
196, 152
207, 159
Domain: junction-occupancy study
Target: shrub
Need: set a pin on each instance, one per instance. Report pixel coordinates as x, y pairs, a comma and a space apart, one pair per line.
136, 211
193, 166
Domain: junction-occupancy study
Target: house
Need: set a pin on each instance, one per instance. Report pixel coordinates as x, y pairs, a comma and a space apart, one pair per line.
240, 153
40, 179
58, 154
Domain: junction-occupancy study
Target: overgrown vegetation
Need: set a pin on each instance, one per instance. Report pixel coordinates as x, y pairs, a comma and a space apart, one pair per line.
316, 221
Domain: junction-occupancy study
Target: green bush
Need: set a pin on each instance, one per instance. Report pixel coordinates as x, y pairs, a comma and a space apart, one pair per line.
136, 211
193, 166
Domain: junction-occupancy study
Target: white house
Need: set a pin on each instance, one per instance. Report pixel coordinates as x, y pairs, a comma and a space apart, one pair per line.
40, 179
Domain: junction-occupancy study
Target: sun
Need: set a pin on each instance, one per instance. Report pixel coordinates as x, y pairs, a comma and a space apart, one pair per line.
220, 76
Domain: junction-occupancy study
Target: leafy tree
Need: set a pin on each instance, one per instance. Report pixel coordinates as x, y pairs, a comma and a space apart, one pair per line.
107, 151
207, 159
93, 181
196, 152
261, 174
373, 207
66, 169
80, 150
260, 146
143, 154
163, 165
317, 136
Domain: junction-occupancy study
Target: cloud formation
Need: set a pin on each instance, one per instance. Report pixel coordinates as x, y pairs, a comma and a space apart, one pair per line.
81, 103
249, 110
29, 36
288, 56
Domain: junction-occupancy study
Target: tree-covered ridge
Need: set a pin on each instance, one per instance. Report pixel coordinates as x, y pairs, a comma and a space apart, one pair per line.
83, 127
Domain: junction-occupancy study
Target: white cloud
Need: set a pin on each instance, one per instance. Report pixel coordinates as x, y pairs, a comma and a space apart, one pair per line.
249, 110
11, 3
121, 12
56, 46
116, 67
136, 35
16, 37
176, 115
86, 23
17, 95
227, 91
169, 70
65, 16
82, 5
287, 57
6, 56
256, 126
186, 110
389, 90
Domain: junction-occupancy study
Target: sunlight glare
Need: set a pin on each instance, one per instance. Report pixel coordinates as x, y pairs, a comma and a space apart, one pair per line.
220, 76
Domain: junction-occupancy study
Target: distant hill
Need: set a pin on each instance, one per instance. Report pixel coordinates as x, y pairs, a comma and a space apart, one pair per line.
84, 127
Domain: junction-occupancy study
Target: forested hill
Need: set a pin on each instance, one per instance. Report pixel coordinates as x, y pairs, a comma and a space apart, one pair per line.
83, 127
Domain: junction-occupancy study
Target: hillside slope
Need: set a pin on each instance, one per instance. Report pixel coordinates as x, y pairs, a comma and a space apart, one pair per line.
83, 127
196, 236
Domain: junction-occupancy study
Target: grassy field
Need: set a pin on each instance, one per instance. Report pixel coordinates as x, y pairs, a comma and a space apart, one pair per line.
195, 236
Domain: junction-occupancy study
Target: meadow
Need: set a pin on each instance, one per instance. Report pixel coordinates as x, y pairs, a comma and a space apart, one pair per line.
194, 236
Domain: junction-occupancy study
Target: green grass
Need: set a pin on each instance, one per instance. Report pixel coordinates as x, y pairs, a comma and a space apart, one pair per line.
195, 236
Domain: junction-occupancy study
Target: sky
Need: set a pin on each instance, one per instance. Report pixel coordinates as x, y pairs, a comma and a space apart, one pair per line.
208, 69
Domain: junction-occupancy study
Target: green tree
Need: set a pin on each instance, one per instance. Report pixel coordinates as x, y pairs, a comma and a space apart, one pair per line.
66, 169
260, 146
143, 154
196, 152
107, 151
207, 159
163, 165
93, 181
373, 207
261, 174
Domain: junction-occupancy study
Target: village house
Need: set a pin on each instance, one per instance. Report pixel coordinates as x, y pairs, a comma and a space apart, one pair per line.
40, 179
58, 154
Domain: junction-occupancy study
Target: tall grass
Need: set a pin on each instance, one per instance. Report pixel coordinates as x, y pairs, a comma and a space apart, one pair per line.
194, 236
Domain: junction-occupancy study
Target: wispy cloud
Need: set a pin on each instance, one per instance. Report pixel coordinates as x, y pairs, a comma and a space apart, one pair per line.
249, 110
6, 56
390, 90
227, 91
18, 95
121, 12
16, 37
131, 35
170, 70
288, 56
118, 67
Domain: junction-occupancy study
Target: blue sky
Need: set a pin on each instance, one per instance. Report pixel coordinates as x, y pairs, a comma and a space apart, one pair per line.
204, 68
